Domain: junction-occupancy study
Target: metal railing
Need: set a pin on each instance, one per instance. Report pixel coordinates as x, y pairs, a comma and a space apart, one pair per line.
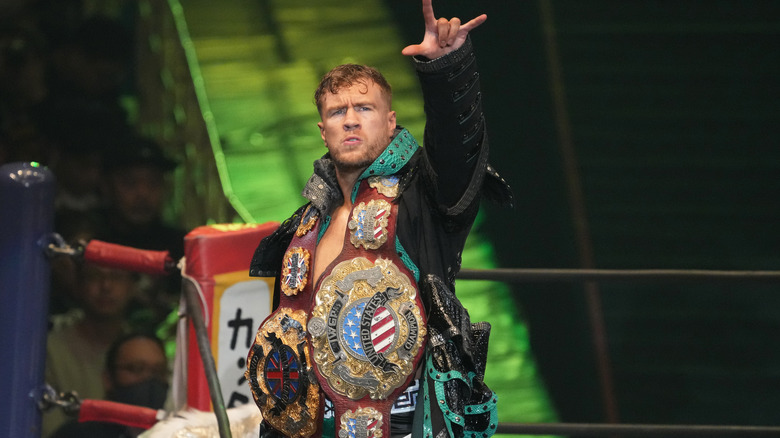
530, 275
582, 275
636, 430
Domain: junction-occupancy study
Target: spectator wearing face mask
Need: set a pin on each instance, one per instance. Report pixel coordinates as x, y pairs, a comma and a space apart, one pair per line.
137, 374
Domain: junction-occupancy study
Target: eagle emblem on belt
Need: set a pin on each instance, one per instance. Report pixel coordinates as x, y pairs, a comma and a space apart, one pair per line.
385, 185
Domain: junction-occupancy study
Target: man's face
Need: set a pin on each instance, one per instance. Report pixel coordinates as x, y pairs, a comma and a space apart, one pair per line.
106, 292
357, 125
140, 376
138, 192
140, 359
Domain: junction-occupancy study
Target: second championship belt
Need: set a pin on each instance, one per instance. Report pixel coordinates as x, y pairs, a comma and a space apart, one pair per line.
367, 323
279, 367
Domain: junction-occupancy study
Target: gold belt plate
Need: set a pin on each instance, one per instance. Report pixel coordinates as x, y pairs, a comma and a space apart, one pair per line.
366, 328
280, 373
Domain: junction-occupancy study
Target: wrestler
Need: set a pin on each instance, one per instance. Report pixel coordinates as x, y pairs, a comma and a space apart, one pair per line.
367, 336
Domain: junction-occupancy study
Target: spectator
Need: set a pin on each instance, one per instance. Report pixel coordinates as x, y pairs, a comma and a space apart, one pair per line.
80, 135
78, 341
136, 195
136, 373
135, 199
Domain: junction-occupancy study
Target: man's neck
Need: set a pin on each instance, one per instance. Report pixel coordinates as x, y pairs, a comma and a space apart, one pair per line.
346, 181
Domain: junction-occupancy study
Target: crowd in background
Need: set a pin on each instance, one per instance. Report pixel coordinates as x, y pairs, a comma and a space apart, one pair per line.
66, 93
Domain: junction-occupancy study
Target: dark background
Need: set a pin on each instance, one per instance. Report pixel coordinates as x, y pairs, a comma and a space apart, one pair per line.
672, 110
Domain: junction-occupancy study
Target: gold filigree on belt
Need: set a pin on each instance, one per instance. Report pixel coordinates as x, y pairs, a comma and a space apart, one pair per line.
280, 374
366, 328
368, 226
295, 271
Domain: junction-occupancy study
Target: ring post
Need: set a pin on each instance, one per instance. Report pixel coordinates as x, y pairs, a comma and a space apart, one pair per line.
26, 222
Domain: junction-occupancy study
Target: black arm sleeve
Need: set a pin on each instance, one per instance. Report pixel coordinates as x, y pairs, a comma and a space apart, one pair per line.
455, 138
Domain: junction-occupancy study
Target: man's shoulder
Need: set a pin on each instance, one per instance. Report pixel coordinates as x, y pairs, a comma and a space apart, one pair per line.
268, 255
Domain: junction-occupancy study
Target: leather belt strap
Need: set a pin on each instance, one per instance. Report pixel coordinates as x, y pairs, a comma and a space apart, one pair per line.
279, 363
367, 324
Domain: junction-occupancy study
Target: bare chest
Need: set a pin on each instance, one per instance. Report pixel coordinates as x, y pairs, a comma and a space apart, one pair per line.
332, 242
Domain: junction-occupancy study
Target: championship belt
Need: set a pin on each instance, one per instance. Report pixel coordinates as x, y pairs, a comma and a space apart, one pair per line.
279, 365
367, 324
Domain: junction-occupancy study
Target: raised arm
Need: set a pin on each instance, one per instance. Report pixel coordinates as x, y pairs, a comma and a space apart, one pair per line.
442, 36
455, 140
